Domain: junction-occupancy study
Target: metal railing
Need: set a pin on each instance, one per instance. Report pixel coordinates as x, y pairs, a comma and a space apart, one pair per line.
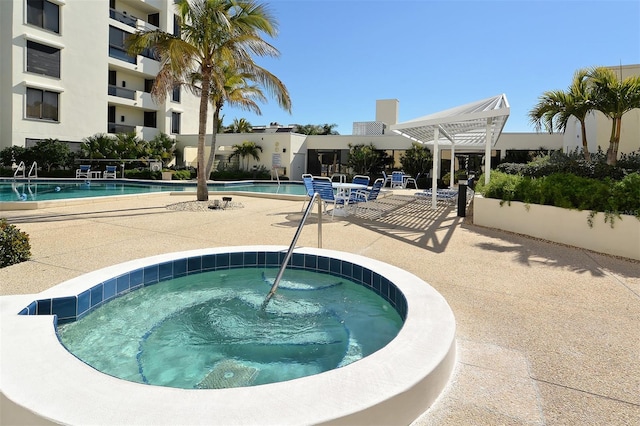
121, 92
276, 282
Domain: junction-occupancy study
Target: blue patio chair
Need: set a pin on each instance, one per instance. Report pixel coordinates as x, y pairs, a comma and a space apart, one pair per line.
364, 196
83, 172
387, 179
110, 172
412, 180
397, 180
361, 180
307, 179
322, 185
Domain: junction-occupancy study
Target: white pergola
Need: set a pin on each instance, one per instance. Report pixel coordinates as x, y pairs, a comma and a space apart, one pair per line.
474, 126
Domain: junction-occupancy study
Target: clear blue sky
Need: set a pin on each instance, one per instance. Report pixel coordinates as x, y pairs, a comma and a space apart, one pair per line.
338, 57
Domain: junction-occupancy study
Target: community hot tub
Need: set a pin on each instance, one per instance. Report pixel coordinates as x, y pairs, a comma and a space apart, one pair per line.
41, 382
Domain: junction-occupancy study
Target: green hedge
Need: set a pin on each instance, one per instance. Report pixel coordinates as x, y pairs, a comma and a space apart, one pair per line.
568, 191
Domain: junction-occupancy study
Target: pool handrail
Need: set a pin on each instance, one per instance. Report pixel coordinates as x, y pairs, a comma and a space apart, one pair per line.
274, 287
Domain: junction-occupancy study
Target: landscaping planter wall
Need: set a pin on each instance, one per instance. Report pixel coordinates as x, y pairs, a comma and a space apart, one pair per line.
560, 225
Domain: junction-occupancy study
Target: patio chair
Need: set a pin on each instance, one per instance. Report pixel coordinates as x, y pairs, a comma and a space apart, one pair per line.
110, 172
322, 185
387, 179
362, 196
397, 180
361, 180
412, 180
307, 179
83, 172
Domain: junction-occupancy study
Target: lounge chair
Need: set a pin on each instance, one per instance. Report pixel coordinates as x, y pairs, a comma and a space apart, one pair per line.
110, 172
308, 185
397, 180
322, 185
83, 172
449, 195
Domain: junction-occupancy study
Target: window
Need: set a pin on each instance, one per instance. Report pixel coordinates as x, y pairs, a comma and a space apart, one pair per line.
42, 104
44, 14
175, 122
112, 77
150, 119
175, 95
43, 59
111, 114
148, 84
176, 26
154, 19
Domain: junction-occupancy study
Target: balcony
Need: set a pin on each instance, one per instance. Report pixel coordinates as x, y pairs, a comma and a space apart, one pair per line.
121, 92
124, 18
120, 128
120, 53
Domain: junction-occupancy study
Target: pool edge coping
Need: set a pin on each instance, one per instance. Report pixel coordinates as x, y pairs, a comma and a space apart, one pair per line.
336, 396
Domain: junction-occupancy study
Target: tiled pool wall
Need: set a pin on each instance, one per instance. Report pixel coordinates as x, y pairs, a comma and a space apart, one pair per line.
72, 308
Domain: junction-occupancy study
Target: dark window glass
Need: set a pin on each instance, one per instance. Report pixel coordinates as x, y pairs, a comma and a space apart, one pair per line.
42, 104
112, 4
112, 77
43, 59
148, 85
154, 19
117, 37
150, 119
176, 26
111, 114
175, 95
175, 122
44, 14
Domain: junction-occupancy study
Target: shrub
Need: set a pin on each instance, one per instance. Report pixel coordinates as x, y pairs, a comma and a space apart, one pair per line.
14, 244
181, 175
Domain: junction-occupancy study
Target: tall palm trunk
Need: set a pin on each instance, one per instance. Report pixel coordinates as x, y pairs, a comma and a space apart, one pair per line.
585, 145
614, 142
202, 193
212, 153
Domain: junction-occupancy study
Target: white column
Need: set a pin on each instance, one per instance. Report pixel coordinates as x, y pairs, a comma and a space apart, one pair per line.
453, 166
487, 153
436, 168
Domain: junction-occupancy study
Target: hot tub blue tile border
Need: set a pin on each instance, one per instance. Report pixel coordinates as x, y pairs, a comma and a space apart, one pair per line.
73, 307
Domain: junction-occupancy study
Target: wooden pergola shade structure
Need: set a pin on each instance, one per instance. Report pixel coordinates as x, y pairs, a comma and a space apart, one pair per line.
474, 126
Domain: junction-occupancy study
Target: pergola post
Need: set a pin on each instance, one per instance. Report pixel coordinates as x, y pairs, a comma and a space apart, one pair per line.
436, 169
452, 169
487, 152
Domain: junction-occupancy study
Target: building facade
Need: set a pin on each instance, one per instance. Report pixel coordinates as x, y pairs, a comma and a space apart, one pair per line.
65, 73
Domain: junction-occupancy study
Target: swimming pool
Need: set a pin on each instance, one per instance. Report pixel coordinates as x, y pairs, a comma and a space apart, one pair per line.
30, 191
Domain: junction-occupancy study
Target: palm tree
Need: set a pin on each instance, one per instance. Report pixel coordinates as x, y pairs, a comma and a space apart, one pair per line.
214, 33
240, 125
614, 97
555, 107
245, 150
234, 87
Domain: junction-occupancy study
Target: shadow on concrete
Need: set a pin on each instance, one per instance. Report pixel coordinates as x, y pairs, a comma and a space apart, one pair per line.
101, 214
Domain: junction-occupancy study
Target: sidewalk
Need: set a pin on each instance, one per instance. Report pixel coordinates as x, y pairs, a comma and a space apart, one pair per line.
546, 334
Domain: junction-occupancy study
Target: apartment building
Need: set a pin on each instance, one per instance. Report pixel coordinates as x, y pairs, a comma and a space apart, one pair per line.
65, 73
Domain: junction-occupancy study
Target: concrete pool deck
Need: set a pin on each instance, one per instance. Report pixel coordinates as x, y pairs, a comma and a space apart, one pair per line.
546, 334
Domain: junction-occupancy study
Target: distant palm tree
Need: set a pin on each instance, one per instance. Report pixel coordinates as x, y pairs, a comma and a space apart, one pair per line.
614, 97
555, 107
327, 129
245, 150
240, 125
213, 34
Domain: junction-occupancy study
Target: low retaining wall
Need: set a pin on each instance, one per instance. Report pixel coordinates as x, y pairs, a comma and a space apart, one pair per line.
560, 225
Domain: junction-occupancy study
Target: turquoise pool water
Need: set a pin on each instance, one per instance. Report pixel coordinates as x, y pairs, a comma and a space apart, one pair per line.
207, 330
58, 190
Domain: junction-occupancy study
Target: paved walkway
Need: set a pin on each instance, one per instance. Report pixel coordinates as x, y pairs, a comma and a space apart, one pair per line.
547, 335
